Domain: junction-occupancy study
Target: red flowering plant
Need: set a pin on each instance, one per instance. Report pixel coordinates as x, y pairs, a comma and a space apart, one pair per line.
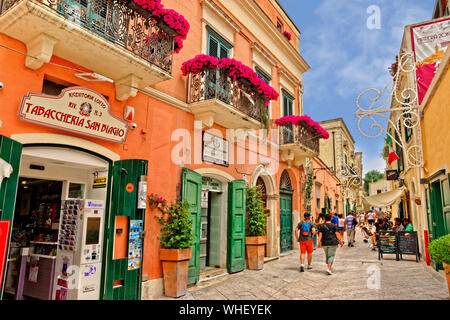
234, 69
305, 121
287, 35
156, 200
170, 18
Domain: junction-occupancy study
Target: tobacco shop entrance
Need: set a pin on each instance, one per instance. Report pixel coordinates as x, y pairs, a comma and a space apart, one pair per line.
62, 206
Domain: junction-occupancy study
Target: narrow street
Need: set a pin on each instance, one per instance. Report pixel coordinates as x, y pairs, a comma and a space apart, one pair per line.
281, 279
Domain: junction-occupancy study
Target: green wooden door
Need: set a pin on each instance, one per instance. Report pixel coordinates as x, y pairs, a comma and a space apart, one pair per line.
121, 283
285, 222
236, 226
11, 152
445, 189
192, 193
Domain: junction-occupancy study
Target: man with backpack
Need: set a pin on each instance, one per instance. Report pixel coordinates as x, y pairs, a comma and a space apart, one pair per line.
304, 233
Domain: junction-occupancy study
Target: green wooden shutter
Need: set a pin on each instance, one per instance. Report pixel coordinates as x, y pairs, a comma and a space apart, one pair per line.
192, 193
123, 203
11, 152
236, 226
445, 190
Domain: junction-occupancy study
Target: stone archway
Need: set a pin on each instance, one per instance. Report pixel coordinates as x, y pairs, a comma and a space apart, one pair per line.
262, 174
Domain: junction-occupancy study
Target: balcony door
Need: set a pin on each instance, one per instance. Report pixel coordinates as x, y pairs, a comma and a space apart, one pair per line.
216, 86
288, 131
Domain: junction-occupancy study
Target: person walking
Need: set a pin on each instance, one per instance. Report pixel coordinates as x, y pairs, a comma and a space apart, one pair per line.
371, 218
329, 239
334, 218
304, 233
341, 225
350, 225
362, 220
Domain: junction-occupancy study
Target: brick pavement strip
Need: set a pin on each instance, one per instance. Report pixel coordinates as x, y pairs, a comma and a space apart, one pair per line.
281, 279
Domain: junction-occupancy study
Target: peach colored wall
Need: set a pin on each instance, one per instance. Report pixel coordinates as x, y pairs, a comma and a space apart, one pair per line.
273, 14
329, 182
158, 118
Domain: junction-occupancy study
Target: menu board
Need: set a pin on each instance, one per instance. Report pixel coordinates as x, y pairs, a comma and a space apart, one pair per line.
398, 243
407, 243
135, 244
387, 243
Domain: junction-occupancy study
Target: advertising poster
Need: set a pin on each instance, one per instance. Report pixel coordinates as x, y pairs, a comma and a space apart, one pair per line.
135, 245
429, 43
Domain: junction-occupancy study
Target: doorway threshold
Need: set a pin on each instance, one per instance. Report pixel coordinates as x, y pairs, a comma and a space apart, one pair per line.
212, 274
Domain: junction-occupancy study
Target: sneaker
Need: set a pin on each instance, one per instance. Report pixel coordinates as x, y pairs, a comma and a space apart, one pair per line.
352, 245
373, 249
302, 269
329, 272
309, 267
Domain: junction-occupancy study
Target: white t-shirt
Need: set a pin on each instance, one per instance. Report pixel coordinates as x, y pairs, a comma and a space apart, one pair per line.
371, 215
341, 223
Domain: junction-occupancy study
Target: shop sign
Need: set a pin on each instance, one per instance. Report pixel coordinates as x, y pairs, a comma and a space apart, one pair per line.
391, 175
429, 42
99, 183
215, 149
211, 184
4, 238
76, 109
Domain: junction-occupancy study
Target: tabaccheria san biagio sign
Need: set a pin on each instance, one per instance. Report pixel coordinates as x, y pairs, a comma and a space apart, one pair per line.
76, 109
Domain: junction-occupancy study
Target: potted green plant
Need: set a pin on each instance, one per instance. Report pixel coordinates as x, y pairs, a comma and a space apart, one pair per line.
256, 228
176, 239
439, 250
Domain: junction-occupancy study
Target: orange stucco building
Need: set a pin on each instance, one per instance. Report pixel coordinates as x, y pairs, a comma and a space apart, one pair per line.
47, 52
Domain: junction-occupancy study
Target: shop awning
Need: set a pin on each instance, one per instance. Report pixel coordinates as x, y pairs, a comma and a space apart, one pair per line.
384, 199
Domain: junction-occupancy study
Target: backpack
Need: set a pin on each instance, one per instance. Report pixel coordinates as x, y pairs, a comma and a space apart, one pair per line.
305, 228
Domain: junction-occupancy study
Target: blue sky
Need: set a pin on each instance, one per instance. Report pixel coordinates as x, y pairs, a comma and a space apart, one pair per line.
346, 57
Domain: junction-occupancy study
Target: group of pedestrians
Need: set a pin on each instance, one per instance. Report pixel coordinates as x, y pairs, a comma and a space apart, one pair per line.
330, 229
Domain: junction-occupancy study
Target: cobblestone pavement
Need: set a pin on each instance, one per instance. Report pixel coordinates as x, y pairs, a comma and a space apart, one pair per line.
353, 266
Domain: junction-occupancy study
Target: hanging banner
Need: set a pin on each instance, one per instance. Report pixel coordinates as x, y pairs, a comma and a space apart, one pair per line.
429, 43
4, 238
76, 109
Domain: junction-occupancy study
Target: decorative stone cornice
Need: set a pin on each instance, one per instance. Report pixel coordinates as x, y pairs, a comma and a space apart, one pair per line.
218, 10
257, 47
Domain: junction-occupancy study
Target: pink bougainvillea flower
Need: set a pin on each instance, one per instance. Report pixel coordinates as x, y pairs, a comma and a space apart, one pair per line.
304, 121
287, 35
234, 69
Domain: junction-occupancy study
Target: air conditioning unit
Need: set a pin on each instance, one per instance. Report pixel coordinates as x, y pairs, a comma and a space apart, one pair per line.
345, 143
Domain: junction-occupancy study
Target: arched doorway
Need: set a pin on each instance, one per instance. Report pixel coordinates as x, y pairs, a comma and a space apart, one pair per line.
286, 192
262, 176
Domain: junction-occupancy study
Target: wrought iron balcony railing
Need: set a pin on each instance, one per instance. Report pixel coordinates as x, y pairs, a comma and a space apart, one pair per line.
301, 135
216, 84
116, 22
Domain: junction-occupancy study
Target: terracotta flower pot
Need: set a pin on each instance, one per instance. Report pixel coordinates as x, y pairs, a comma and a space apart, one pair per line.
153, 204
255, 252
175, 263
447, 273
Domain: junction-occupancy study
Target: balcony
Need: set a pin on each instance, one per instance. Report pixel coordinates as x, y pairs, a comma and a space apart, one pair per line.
298, 142
108, 37
216, 98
